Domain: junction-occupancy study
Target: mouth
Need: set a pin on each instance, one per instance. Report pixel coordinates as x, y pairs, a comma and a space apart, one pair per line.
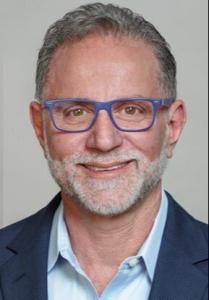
106, 169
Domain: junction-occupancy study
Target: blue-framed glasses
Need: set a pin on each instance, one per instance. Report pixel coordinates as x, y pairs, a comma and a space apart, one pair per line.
80, 115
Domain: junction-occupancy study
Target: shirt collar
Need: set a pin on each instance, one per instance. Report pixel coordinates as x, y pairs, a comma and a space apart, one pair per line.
151, 247
60, 242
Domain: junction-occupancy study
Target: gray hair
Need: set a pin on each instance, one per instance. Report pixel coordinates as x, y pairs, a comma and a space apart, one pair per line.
104, 19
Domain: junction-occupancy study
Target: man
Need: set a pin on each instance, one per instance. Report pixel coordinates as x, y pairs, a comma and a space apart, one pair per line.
108, 119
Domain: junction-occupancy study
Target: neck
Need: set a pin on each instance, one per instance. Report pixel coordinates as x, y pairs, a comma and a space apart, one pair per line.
104, 237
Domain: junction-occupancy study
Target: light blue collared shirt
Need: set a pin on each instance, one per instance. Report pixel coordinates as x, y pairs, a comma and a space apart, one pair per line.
67, 280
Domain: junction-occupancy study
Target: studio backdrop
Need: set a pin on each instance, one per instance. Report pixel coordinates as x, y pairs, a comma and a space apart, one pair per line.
25, 183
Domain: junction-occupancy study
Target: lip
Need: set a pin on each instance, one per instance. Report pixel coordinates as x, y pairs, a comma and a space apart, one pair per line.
106, 170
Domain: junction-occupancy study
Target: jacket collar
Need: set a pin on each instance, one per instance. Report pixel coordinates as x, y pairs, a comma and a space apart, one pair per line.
177, 274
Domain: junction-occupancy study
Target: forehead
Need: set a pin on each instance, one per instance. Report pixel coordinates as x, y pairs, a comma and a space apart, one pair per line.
102, 64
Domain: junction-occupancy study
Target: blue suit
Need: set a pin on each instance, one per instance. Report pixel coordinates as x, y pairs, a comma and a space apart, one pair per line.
181, 272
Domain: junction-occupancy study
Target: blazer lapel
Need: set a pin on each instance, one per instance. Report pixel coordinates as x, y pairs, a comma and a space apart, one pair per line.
178, 272
24, 276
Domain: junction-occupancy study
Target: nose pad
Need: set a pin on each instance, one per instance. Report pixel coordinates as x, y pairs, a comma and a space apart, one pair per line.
104, 136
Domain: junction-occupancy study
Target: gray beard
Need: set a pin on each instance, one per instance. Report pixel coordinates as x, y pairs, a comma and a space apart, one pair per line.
109, 197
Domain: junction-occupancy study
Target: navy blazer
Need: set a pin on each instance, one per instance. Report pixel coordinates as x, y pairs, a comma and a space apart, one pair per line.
181, 271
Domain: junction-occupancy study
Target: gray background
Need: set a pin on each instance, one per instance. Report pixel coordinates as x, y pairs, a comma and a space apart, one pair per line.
25, 183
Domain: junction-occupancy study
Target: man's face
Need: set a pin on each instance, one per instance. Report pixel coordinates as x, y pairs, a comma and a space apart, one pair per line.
105, 170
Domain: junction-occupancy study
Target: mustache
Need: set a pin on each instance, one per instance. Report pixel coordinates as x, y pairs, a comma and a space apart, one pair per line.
80, 158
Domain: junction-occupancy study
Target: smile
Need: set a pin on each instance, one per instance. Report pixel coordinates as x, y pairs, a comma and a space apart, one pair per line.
111, 169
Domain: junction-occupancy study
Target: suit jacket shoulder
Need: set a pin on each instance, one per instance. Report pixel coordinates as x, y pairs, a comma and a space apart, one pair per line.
8, 234
182, 268
24, 256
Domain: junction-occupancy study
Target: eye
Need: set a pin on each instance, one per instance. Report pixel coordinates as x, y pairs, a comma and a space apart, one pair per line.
134, 109
131, 110
77, 112
74, 112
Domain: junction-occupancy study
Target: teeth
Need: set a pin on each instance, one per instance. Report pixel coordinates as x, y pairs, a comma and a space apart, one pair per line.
98, 169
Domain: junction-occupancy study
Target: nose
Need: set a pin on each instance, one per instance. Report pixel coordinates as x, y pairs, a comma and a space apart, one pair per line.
104, 136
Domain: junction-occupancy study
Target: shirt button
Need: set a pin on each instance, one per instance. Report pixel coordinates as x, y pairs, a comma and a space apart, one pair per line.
133, 262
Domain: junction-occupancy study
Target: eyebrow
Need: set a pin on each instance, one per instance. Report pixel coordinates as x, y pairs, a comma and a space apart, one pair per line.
98, 100
110, 99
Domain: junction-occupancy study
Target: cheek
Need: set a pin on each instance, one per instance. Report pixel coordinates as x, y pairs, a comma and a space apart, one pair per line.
61, 144
150, 143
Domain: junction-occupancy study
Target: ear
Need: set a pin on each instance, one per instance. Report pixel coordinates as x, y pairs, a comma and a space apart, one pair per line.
176, 121
37, 121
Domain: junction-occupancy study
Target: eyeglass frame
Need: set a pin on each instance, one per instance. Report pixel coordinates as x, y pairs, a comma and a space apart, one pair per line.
107, 106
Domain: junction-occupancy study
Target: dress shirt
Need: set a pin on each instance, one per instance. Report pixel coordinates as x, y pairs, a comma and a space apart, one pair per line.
67, 280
